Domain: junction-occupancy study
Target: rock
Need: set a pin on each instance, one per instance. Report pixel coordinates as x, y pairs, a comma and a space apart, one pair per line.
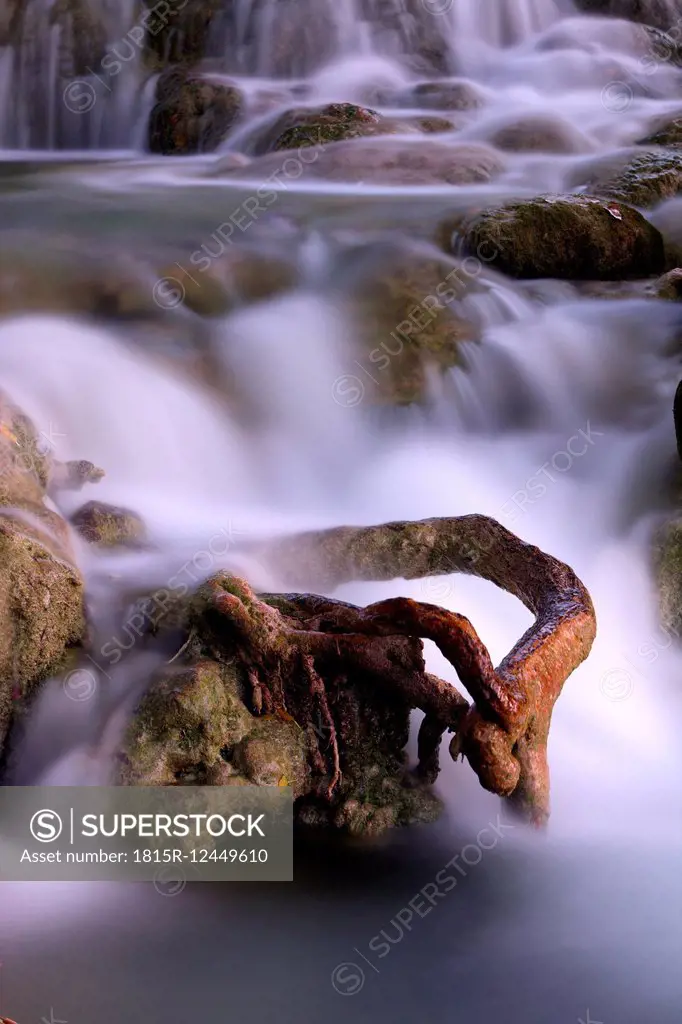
178, 33
646, 180
275, 753
669, 286
193, 113
184, 722
225, 276
660, 13
539, 134
194, 726
41, 590
570, 237
385, 161
668, 572
665, 131
316, 126
454, 95
61, 275
410, 318
108, 526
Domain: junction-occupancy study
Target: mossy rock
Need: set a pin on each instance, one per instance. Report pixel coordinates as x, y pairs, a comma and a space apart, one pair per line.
646, 180
569, 237
275, 753
313, 127
668, 574
192, 114
388, 161
108, 526
182, 726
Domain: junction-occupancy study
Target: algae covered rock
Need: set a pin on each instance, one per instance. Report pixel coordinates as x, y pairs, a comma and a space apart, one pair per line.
193, 113
107, 525
41, 590
570, 237
316, 126
182, 725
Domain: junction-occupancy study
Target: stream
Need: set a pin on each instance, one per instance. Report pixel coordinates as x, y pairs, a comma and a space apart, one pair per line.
558, 424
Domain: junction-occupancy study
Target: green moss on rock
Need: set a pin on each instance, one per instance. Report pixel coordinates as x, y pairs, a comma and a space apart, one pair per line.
107, 525
570, 237
183, 724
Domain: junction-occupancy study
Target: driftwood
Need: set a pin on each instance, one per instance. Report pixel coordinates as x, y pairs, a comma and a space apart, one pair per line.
504, 732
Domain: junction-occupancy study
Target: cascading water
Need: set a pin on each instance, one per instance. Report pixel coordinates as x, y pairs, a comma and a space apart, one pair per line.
279, 433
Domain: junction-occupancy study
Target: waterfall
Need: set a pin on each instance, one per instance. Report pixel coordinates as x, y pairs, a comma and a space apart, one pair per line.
70, 75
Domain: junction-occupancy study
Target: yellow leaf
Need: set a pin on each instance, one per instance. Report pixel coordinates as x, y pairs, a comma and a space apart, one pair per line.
283, 781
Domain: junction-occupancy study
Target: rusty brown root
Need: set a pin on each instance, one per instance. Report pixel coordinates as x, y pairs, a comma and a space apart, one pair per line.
504, 732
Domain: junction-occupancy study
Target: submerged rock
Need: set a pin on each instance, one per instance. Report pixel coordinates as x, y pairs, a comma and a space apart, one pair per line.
388, 161
193, 113
539, 134
410, 317
455, 95
570, 237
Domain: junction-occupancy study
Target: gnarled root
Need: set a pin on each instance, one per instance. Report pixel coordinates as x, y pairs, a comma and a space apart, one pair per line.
504, 732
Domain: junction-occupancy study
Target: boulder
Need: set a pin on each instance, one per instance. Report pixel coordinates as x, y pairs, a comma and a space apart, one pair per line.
570, 237
385, 161
41, 590
317, 126
193, 113
108, 526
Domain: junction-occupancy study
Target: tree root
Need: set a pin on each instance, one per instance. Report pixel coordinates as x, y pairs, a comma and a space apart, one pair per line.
504, 733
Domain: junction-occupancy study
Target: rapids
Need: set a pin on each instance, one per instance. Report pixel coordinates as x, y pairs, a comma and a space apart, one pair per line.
581, 925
